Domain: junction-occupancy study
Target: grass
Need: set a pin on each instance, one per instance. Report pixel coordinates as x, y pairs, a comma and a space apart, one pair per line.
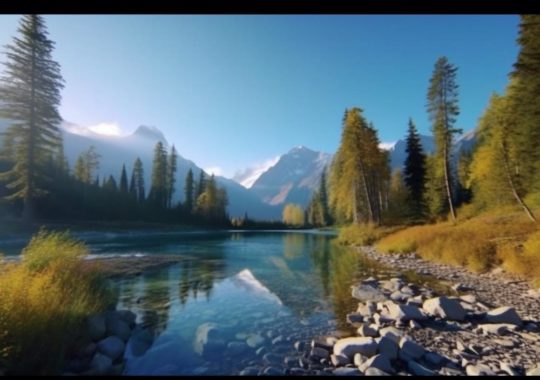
478, 243
44, 300
363, 234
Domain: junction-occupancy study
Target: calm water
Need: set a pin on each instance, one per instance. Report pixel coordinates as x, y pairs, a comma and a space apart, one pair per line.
274, 287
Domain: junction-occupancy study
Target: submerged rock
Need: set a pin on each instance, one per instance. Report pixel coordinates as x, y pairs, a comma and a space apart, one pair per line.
208, 340
112, 346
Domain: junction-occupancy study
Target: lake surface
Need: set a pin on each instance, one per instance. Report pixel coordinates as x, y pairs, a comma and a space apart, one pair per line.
262, 289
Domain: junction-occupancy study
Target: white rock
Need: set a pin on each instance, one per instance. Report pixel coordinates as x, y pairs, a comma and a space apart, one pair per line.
345, 371
534, 372
255, 340
339, 360
378, 361
392, 333
411, 348
366, 330
508, 369
366, 292
375, 372
504, 314
496, 328
359, 359
469, 298
350, 346
479, 370
405, 312
444, 307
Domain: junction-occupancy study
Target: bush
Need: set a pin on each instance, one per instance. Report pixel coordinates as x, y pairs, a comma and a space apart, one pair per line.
46, 248
44, 300
363, 234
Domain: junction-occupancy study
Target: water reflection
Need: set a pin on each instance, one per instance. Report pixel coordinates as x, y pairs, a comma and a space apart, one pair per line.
267, 287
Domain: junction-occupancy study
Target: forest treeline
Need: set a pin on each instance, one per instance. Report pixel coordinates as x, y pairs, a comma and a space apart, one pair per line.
35, 178
501, 170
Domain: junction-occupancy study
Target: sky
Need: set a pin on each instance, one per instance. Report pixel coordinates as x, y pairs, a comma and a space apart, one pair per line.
237, 91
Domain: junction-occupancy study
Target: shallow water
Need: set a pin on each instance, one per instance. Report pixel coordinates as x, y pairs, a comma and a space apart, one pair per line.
274, 287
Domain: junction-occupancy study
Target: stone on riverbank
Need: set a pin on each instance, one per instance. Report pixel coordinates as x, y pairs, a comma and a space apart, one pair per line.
504, 314
112, 346
366, 292
350, 346
446, 308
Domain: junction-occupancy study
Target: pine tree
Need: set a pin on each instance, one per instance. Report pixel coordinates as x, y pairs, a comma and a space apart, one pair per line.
29, 97
188, 192
323, 199
133, 186
138, 178
123, 180
110, 185
414, 172
443, 110
171, 172
201, 185
158, 189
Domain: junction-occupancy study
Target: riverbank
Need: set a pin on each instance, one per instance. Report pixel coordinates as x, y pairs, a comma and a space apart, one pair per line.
491, 328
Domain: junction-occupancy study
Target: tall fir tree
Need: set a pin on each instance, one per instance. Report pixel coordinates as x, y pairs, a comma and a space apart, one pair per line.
443, 109
188, 192
133, 186
171, 173
138, 178
201, 185
86, 165
158, 189
29, 97
414, 172
123, 180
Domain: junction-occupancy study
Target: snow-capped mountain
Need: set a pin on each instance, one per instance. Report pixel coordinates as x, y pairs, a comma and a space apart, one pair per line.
293, 178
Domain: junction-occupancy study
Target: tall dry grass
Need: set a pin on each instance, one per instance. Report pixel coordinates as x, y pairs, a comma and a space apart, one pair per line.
43, 301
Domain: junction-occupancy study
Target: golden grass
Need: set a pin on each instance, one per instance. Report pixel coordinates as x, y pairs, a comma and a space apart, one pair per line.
479, 243
44, 299
364, 234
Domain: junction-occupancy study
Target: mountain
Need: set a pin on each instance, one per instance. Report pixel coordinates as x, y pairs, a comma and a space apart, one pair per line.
118, 150
293, 178
398, 153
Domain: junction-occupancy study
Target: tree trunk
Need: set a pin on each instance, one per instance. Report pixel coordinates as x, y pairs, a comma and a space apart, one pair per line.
355, 204
447, 182
512, 186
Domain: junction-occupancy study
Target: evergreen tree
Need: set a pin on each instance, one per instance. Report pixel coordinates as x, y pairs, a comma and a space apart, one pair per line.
133, 186
138, 178
443, 110
201, 185
323, 199
158, 189
110, 184
188, 192
414, 172
171, 172
123, 180
399, 209
29, 97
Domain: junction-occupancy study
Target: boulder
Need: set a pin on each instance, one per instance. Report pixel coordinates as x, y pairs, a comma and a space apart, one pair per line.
95, 326
319, 353
418, 369
366, 292
127, 316
379, 361
434, 358
339, 360
101, 365
350, 346
112, 346
443, 307
399, 296
365, 330
503, 314
116, 326
392, 333
496, 328
411, 348
388, 347
359, 359
249, 371
367, 309
405, 312
505, 367
371, 371
534, 372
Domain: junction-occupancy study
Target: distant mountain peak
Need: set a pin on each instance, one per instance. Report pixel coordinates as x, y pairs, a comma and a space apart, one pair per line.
149, 132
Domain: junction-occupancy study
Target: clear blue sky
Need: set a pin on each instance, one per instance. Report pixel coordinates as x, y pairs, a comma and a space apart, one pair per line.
231, 91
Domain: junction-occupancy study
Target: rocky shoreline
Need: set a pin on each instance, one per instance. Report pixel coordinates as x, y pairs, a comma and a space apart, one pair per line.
490, 329
488, 325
